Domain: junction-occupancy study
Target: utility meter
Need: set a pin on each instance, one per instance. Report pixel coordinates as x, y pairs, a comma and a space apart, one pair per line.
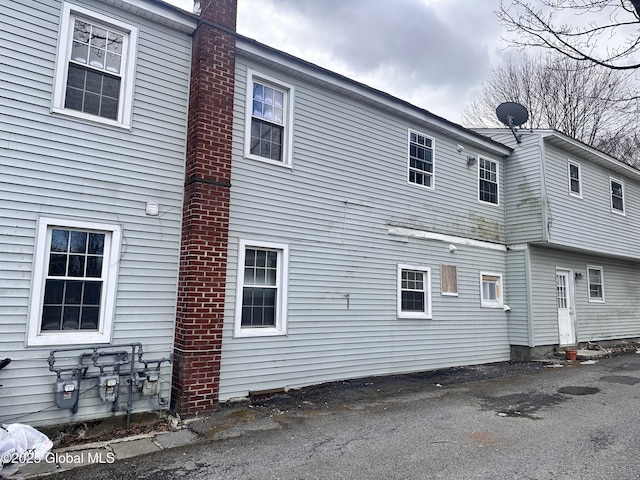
65, 392
151, 384
108, 387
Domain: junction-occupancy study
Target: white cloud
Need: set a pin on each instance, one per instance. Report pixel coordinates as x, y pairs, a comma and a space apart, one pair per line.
433, 53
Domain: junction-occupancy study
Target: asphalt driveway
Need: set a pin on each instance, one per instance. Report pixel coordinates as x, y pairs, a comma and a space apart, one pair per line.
499, 421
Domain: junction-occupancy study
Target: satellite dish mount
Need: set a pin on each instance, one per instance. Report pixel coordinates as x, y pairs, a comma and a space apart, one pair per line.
512, 115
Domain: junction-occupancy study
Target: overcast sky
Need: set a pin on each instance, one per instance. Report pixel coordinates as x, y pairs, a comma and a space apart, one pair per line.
432, 53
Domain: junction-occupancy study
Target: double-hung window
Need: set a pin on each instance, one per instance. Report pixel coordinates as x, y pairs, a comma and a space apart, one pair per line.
575, 180
414, 292
261, 296
420, 168
595, 281
487, 180
269, 114
75, 272
95, 67
491, 290
617, 195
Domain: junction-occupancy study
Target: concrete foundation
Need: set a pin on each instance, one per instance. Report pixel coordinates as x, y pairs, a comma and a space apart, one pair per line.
521, 353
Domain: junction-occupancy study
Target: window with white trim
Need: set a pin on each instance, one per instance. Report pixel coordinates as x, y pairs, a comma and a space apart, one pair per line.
595, 281
491, 290
420, 167
261, 297
75, 274
617, 195
448, 280
487, 180
269, 113
414, 292
95, 67
575, 179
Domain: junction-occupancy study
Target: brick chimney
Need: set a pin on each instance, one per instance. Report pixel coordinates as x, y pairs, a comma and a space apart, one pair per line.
205, 225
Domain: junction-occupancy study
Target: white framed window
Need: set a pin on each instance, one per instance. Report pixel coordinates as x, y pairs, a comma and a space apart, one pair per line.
261, 296
617, 195
595, 282
449, 280
488, 180
74, 282
414, 292
420, 166
575, 179
269, 117
491, 290
95, 67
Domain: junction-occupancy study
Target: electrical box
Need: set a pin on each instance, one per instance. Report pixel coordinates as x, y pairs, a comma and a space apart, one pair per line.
108, 387
151, 384
65, 392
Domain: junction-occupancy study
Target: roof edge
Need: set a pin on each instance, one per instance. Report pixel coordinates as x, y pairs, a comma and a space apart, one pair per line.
159, 11
253, 47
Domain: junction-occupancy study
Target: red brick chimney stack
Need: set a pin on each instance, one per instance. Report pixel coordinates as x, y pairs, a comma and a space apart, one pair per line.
203, 262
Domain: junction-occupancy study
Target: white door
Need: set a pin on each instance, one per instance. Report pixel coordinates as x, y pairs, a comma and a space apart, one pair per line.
566, 328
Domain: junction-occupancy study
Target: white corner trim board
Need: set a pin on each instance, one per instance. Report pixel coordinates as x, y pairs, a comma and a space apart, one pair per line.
423, 234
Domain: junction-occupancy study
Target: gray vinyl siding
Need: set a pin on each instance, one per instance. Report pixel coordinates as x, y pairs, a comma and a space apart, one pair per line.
518, 280
544, 312
524, 190
588, 222
333, 209
616, 318
57, 166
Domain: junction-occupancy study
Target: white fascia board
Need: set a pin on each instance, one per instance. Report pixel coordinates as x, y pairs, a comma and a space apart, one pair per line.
614, 163
159, 11
275, 57
425, 235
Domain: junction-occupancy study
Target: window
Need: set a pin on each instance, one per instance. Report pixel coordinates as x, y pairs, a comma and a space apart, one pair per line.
595, 281
617, 196
448, 280
575, 182
488, 180
420, 159
75, 273
269, 116
94, 68
414, 292
491, 290
261, 293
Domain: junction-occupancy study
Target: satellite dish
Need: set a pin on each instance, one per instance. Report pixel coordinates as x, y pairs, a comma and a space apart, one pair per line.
512, 115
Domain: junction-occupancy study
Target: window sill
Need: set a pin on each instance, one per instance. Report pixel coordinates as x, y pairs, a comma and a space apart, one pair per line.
258, 332
276, 163
68, 337
491, 305
482, 202
417, 316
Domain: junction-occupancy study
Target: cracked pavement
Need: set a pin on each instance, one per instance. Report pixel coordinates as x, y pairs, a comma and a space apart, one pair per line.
499, 421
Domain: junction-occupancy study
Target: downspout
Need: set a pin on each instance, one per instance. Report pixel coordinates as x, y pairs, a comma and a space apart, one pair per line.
544, 213
527, 273
544, 206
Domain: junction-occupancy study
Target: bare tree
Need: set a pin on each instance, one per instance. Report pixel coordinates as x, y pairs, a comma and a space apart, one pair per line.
593, 104
601, 32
